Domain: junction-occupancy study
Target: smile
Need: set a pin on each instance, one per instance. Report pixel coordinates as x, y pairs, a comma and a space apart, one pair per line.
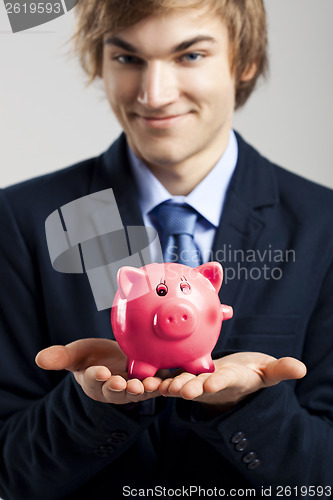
159, 122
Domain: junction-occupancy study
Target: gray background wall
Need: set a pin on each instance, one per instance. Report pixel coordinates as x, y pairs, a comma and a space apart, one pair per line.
48, 119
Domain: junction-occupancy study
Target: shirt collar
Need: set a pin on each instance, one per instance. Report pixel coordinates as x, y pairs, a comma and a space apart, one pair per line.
212, 189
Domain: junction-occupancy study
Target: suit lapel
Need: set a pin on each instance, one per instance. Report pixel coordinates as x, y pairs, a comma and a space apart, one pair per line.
113, 171
237, 233
251, 195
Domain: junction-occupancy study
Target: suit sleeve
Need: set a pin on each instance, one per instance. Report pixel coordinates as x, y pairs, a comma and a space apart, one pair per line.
283, 436
53, 438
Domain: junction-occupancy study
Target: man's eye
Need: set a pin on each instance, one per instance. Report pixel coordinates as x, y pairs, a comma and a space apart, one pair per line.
185, 288
126, 59
161, 289
192, 57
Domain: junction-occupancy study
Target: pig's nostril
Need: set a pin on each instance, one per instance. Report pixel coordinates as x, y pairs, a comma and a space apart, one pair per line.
170, 319
184, 317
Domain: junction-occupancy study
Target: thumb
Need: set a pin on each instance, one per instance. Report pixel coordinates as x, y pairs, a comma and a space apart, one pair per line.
77, 355
56, 357
284, 369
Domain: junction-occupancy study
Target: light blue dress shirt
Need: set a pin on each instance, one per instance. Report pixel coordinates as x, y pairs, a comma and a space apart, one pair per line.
207, 198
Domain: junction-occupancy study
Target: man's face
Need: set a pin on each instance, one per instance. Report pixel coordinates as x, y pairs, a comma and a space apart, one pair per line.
168, 81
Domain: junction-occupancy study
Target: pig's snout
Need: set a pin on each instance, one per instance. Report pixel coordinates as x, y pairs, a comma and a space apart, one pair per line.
175, 320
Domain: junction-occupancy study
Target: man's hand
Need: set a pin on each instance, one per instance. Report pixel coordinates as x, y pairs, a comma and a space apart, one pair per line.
236, 376
99, 366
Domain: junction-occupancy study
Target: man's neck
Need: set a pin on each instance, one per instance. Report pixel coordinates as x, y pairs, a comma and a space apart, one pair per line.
180, 179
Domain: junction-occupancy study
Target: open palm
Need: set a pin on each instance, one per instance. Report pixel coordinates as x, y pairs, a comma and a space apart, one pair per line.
235, 377
99, 366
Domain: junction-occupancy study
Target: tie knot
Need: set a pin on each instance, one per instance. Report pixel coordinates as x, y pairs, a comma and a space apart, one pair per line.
175, 218
177, 224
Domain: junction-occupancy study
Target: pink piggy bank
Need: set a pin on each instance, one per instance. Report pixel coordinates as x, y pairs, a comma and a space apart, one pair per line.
168, 316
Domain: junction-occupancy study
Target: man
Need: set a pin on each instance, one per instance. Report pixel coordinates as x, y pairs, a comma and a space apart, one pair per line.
173, 74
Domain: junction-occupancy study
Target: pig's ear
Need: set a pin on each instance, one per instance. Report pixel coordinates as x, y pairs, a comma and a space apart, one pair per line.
126, 278
213, 272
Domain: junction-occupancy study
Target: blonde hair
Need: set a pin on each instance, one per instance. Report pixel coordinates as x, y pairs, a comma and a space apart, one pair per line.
245, 21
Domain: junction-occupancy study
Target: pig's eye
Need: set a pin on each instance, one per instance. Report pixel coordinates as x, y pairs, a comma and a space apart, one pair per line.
185, 287
161, 289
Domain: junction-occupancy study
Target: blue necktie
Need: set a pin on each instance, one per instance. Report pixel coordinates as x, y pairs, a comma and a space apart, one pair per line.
177, 223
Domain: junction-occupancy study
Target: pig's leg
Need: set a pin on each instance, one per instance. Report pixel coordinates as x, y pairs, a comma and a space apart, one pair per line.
227, 312
140, 369
201, 365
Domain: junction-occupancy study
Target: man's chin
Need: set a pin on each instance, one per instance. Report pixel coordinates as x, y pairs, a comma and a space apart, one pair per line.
157, 151
161, 158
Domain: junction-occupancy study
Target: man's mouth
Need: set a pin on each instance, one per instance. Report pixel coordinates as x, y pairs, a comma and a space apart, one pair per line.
162, 121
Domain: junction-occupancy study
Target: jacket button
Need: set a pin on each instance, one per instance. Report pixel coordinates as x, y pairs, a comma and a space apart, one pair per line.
117, 437
111, 444
100, 452
242, 445
249, 457
237, 437
108, 447
254, 464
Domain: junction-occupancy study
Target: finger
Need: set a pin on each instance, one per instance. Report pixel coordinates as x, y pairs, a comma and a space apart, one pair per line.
135, 387
220, 379
56, 357
102, 373
114, 391
122, 396
164, 387
95, 374
178, 383
89, 383
117, 383
194, 387
151, 384
75, 356
283, 369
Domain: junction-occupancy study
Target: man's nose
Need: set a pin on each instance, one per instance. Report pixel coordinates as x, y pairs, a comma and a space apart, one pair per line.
158, 86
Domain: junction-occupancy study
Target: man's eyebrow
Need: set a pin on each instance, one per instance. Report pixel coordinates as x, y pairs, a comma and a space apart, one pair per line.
119, 42
192, 41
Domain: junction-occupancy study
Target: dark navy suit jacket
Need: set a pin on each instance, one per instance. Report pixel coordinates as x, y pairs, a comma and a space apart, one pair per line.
275, 242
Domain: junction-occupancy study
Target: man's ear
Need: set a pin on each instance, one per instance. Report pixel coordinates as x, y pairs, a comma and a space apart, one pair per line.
249, 72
